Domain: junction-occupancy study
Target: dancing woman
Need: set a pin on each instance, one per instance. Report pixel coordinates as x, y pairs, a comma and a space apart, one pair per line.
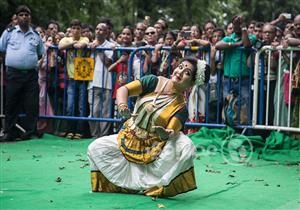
150, 154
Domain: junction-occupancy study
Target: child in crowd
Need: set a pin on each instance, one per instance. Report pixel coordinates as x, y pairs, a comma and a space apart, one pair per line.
76, 92
215, 86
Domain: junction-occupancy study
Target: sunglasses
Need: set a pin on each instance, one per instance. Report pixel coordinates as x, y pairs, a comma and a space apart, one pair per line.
150, 33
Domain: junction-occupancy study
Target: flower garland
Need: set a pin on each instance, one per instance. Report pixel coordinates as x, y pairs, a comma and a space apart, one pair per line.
200, 74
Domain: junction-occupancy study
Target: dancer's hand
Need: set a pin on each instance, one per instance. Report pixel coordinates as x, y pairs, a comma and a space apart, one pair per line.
124, 111
163, 133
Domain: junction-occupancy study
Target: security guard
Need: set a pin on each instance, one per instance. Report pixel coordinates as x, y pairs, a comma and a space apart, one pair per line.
23, 48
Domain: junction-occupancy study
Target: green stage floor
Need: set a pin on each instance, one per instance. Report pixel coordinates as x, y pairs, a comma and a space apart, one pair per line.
53, 173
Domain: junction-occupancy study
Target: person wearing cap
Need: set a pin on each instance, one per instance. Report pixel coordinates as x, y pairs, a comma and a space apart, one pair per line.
23, 47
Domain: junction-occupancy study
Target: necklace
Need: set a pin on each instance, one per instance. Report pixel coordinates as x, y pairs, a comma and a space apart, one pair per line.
150, 107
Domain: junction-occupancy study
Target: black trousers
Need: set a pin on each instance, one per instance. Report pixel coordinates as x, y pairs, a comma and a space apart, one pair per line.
22, 95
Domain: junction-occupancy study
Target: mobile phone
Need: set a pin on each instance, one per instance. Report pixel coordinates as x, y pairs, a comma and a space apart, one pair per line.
287, 15
186, 34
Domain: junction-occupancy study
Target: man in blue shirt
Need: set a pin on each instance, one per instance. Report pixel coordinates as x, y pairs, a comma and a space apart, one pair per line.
23, 48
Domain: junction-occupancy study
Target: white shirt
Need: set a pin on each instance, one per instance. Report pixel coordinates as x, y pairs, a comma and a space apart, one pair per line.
102, 78
137, 68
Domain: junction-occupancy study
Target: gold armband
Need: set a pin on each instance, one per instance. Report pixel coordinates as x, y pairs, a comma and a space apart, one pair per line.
174, 124
134, 88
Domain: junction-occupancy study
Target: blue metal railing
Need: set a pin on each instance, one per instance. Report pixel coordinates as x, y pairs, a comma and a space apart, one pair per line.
201, 52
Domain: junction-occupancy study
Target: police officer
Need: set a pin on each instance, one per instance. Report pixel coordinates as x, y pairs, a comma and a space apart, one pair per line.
23, 48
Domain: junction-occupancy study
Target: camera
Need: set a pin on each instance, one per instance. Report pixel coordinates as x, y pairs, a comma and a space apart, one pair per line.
186, 34
259, 44
287, 15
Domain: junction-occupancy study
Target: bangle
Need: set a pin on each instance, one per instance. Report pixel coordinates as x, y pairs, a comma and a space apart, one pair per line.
172, 133
122, 106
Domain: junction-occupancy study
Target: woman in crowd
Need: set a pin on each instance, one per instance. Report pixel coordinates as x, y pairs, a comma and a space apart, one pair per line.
45, 107
209, 27
120, 67
150, 155
164, 57
192, 38
229, 29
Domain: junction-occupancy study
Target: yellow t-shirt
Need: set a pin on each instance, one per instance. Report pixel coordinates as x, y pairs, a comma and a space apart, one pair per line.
72, 53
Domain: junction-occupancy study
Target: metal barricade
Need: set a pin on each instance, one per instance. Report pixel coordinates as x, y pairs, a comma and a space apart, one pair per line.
57, 74
275, 93
62, 114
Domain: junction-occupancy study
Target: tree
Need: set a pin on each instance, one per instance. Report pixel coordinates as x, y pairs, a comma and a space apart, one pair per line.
128, 12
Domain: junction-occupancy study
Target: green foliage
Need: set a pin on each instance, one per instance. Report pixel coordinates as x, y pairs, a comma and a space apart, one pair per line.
128, 12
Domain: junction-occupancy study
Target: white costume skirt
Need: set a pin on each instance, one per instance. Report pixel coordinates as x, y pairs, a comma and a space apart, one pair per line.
174, 166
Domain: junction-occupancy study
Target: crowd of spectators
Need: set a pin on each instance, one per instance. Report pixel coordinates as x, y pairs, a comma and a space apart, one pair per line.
231, 71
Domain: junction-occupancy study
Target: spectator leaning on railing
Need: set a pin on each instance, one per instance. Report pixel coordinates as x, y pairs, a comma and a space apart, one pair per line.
294, 38
139, 32
100, 88
74, 46
232, 60
268, 38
